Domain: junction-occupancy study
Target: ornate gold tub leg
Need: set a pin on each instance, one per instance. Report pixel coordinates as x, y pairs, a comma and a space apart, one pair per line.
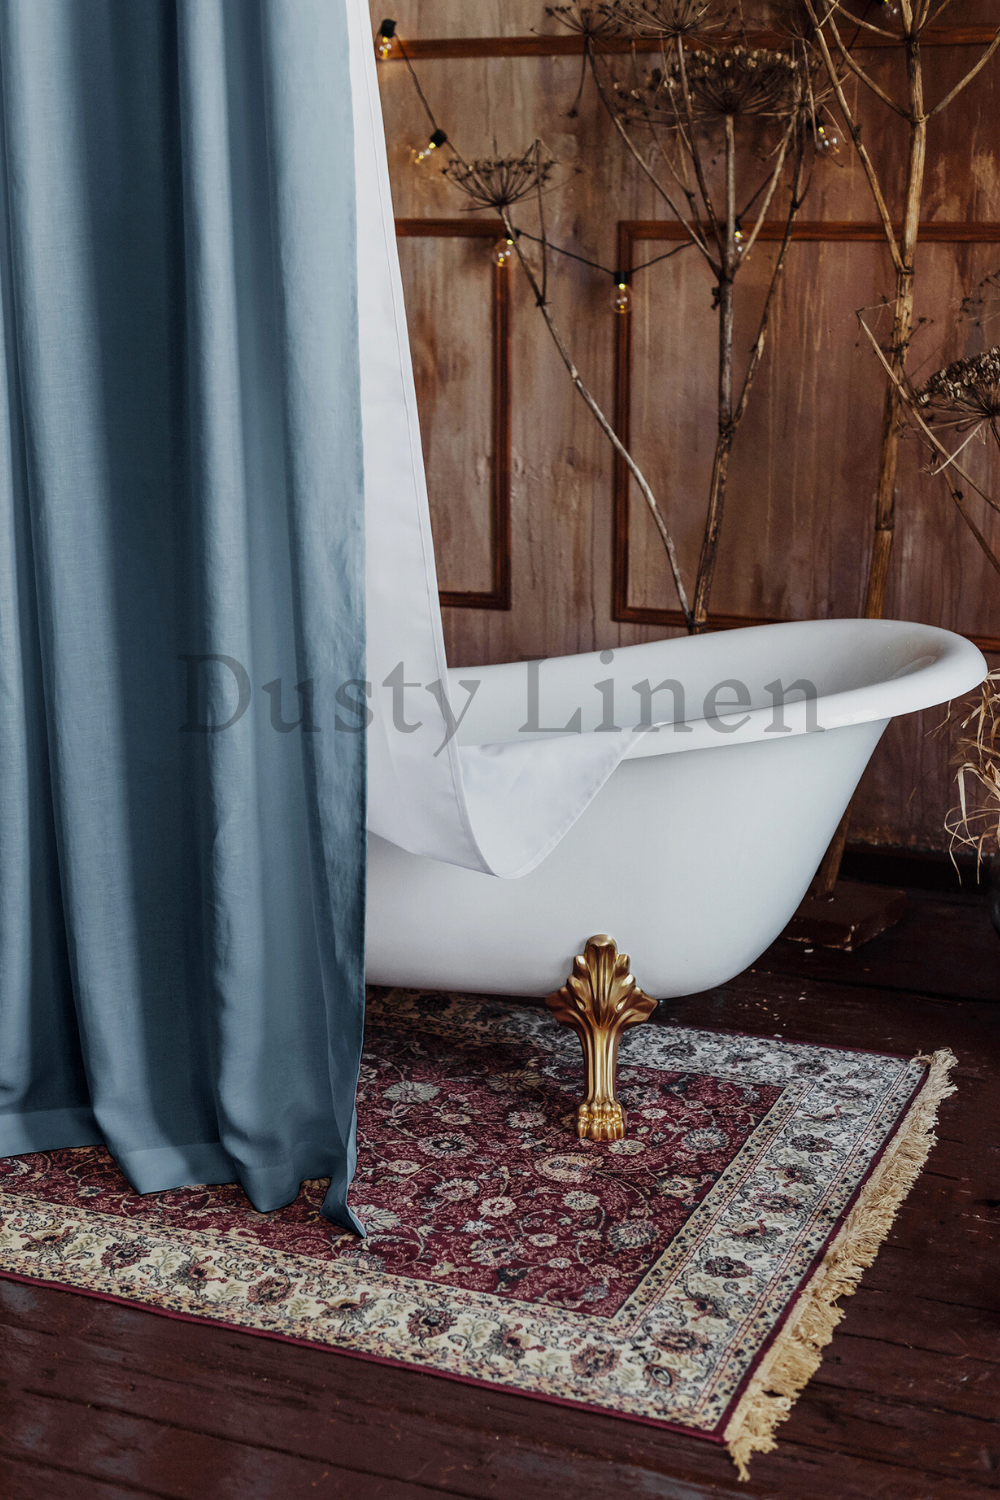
599, 999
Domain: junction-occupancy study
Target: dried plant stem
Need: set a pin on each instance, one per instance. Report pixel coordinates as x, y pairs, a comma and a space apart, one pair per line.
729, 418
902, 323
915, 17
950, 460
724, 262
691, 225
603, 422
826, 876
854, 132
959, 499
726, 427
727, 432
902, 247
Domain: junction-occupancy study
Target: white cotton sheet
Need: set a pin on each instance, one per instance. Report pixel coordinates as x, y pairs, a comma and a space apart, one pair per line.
496, 808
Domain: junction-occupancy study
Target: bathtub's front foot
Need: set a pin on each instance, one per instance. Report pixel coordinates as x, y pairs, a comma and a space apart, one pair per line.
599, 999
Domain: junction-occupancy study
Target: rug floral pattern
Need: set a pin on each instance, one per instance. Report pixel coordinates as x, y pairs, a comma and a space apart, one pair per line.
645, 1276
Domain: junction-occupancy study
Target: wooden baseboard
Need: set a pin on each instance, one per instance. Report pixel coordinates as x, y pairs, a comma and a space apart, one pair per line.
913, 869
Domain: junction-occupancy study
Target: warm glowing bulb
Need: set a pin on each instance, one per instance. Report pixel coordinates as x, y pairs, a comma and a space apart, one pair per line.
623, 298
419, 155
383, 40
502, 251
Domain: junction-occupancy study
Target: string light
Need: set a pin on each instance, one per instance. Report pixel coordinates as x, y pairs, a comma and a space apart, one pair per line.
826, 140
437, 140
383, 39
622, 302
502, 252
738, 237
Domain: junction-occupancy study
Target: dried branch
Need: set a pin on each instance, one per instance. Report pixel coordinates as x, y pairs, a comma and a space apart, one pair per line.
692, 91
978, 761
908, 401
498, 183
692, 226
860, 20
964, 82
854, 131
758, 345
729, 422
959, 499
771, 189
604, 424
859, 72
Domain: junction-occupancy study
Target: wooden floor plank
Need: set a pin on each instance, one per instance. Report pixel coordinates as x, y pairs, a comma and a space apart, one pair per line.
944, 945
24, 1479
902, 1319
919, 1377
157, 1457
919, 1437
458, 1440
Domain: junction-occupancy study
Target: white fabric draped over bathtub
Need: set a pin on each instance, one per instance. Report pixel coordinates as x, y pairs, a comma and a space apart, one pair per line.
495, 808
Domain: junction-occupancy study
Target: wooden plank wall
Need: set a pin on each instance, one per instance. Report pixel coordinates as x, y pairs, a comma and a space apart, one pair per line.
801, 492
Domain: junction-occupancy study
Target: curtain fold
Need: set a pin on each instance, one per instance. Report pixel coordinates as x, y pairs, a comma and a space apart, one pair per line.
181, 544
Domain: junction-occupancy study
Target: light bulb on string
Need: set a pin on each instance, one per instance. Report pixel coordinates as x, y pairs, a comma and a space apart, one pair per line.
622, 300
384, 39
420, 154
502, 252
738, 237
827, 140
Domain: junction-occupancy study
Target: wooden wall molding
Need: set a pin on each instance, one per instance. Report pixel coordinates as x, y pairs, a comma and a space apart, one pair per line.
428, 49
499, 595
630, 233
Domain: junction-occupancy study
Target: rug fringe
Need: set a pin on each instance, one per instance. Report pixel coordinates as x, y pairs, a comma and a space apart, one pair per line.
796, 1354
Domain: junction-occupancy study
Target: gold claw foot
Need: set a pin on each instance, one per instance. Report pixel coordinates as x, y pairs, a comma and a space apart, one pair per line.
601, 1122
599, 1000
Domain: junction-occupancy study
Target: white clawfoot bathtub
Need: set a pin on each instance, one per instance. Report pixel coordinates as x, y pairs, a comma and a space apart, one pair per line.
699, 847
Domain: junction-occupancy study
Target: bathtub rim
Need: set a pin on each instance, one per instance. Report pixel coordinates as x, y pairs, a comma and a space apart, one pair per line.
943, 665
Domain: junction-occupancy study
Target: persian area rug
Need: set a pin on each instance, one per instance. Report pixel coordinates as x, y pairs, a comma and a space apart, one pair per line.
684, 1276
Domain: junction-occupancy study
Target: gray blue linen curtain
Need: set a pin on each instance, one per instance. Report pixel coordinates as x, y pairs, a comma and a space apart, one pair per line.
181, 545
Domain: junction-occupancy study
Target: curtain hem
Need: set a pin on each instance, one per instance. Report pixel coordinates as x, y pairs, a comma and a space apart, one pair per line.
47, 1130
159, 1169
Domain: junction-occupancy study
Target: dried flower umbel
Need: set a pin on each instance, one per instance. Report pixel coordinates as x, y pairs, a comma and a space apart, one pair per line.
737, 83
668, 19
964, 394
498, 182
745, 81
586, 20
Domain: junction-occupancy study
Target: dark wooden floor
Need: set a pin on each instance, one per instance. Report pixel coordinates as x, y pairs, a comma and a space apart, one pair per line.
101, 1401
